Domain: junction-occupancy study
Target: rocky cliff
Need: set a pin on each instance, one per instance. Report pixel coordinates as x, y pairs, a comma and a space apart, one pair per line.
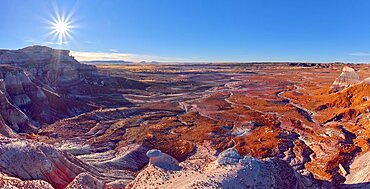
40, 85
52, 66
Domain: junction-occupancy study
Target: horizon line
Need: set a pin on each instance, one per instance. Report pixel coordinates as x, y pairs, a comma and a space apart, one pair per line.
96, 56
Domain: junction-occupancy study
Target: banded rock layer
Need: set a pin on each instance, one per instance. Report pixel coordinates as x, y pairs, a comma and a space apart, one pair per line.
347, 78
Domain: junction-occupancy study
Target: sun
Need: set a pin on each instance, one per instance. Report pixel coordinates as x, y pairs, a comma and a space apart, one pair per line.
61, 28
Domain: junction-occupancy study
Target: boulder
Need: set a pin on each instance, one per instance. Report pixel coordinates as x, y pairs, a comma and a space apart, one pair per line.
228, 157
162, 160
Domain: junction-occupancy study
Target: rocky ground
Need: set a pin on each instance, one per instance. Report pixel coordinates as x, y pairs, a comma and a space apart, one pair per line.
273, 125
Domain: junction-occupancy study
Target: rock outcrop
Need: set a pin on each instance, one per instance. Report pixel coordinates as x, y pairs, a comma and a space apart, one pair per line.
131, 157
85, 181
230, 170
347, 78
356, 95
162, 160
32, 83
359, 171
13, 118
30, 160
7, 181
52, 66
26, 103
228, 157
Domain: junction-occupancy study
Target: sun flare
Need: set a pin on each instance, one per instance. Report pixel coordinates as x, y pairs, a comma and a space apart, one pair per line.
61, 28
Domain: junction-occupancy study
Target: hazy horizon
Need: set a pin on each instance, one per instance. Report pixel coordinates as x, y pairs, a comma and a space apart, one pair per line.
133, 58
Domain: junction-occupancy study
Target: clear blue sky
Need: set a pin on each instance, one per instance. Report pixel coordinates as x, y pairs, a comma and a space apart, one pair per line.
214, 30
